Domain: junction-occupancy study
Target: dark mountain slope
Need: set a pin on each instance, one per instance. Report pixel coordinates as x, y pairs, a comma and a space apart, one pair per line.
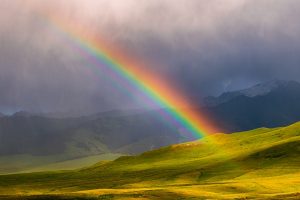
35, 135
260, 89
278, 107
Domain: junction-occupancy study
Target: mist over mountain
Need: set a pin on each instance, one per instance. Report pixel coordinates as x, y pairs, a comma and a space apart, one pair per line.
270, 104
76, 137
260, 89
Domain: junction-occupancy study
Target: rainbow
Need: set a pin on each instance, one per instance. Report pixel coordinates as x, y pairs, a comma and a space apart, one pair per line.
155, 89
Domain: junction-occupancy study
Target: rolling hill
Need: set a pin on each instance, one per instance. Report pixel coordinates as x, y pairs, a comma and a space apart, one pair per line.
259, 164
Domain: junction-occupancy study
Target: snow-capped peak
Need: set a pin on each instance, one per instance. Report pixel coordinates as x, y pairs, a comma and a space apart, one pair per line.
263, 88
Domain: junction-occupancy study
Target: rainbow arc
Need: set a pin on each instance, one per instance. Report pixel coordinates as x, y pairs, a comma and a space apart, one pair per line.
156, 90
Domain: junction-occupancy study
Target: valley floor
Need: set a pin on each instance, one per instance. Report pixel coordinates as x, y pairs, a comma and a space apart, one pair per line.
251, 189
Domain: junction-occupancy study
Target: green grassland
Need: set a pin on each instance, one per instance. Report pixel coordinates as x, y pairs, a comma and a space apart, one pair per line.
258, 164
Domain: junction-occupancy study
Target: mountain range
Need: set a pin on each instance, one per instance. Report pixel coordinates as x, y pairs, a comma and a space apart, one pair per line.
23, 133
254, 91
270, 104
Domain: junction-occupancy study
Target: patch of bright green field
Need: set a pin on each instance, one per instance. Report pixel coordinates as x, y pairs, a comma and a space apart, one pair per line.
258, 164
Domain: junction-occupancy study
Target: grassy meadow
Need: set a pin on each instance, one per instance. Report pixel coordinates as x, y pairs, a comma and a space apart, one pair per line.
258, 164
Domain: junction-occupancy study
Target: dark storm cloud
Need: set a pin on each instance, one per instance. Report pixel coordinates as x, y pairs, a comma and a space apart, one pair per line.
252, 42
206, 46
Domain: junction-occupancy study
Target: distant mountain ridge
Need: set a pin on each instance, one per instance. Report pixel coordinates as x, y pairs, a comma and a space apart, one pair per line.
256, 90
269, 104
25, 133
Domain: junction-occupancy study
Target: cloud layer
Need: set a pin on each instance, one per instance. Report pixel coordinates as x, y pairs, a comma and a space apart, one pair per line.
206, 46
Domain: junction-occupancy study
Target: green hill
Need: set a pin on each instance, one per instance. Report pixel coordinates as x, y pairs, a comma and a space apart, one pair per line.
258, 164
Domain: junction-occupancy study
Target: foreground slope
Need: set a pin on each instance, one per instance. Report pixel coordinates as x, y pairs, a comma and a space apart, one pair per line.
263, 163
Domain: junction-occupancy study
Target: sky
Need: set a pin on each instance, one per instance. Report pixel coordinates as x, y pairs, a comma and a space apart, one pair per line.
206, 47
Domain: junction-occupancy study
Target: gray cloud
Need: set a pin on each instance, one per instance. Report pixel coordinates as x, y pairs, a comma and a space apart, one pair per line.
207, 47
